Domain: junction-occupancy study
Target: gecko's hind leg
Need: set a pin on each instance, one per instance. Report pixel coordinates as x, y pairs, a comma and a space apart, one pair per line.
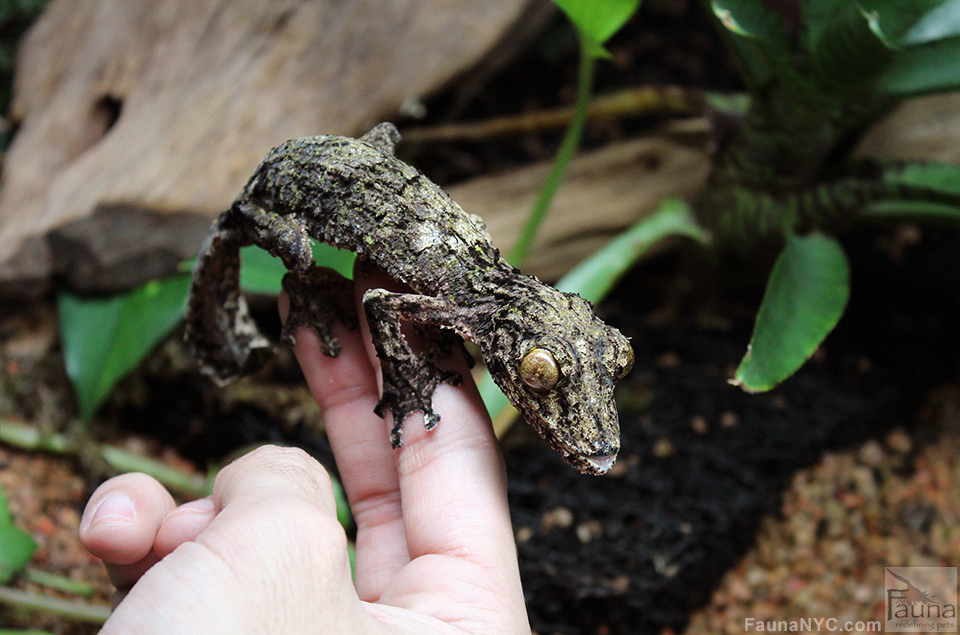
409, 379
384, 137
319, 298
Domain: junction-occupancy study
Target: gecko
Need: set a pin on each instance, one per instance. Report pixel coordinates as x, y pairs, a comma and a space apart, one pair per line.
553, 358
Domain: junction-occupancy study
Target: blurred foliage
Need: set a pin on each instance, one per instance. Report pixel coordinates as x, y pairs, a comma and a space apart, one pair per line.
104, 338
16, 546
785, 173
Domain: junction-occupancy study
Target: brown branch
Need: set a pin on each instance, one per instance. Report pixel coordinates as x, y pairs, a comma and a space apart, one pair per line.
646, 101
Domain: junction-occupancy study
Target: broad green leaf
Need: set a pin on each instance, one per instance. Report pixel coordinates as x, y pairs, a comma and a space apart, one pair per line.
938, 177
339, 260
597, 20
596, 276
261, 273
921, 211
941, 22
736, 104
16, 546
926, 192
752, 19
932, 67
850, 52
806, 294
897, 17
16, 549
757, 37
105, 338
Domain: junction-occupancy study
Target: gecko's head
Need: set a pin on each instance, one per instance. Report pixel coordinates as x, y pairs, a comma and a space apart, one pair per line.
558, 363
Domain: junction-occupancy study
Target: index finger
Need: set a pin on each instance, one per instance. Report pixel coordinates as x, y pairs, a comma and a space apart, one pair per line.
345, 388
452, 479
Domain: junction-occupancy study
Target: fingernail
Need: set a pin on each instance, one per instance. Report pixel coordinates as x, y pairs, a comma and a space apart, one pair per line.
200, 506
116, 507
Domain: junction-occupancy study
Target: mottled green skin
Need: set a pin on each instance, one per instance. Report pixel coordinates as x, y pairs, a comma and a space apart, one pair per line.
356, 195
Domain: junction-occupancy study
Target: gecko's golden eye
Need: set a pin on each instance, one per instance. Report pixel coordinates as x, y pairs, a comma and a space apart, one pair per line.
539, 370
627, 363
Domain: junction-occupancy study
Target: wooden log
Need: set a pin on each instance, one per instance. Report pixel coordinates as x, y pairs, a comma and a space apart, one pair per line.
141, 119
604, 192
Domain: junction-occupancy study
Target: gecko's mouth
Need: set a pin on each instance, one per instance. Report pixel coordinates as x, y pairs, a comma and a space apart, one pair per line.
601, 464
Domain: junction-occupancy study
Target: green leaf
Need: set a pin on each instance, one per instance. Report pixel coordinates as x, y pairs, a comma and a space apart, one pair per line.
927, 192
896, 17
344, 516
920, 211
816, 15
850, 52
941, 22
806, 295
757, 37
16, 546
596, 276
752, 19
938, 177
597, 20
932, 67
261, 273
105, 338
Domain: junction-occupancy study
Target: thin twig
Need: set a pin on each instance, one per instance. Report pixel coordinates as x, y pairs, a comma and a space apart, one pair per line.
646, 101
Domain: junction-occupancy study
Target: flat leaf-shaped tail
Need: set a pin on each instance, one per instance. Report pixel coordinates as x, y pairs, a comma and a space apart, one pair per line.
219, 327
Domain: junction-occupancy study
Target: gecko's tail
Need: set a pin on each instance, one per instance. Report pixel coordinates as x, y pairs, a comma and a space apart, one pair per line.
219, 328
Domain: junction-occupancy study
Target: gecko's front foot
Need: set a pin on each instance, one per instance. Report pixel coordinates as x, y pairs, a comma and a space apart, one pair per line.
404, 397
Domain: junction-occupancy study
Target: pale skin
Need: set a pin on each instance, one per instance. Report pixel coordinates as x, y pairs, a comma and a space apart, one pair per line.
265, 553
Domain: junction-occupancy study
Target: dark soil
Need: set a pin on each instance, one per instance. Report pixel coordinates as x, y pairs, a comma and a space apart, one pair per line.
638, 550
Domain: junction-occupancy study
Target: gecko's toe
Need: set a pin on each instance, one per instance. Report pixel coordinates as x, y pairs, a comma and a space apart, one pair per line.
380, 409
430, 419
396, 436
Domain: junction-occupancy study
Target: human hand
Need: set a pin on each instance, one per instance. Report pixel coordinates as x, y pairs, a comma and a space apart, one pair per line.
265, 554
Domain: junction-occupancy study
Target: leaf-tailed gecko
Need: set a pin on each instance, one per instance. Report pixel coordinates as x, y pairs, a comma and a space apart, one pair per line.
552, 357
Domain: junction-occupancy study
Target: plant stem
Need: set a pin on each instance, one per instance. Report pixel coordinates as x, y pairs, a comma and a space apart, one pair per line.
74, 611
58, 582
568, 147
29, 438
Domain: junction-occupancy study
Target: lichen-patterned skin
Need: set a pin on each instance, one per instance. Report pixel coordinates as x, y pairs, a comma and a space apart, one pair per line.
353, 193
